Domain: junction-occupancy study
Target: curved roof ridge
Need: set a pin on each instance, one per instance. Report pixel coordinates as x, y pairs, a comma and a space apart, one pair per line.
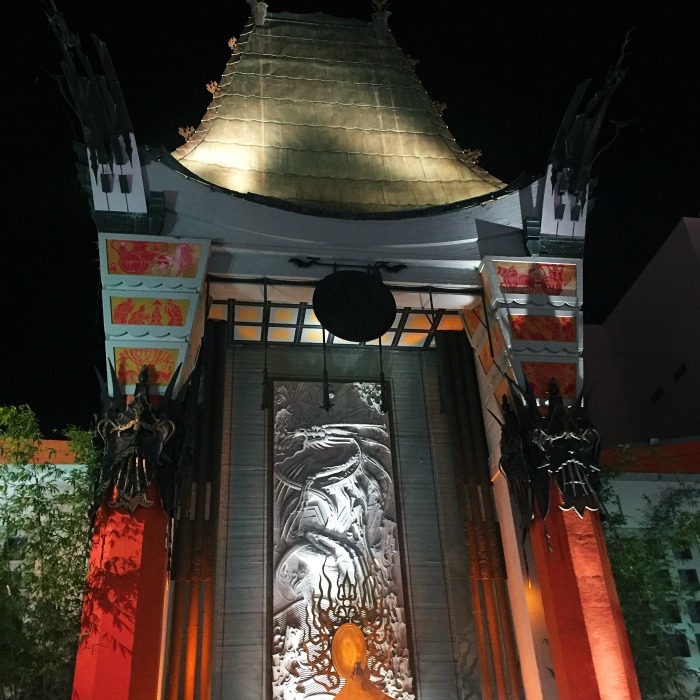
339, 126
423, 156
333, 61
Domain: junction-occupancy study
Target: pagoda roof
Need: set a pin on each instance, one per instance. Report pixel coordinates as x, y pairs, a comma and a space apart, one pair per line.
327, 113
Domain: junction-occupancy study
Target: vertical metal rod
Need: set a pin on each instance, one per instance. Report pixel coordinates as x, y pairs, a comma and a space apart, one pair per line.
382, 381
326, 386
265, 325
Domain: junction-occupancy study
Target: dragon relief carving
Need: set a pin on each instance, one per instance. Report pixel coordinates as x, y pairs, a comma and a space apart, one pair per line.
335, 551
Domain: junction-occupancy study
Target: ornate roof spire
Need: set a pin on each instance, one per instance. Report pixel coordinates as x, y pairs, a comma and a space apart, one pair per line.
259, 9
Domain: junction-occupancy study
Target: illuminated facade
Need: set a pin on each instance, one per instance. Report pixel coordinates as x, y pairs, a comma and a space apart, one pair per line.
354, 537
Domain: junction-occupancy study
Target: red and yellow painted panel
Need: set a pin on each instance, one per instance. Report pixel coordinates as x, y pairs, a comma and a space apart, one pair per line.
450, 322
485, 350
527, 277
543, 328
503, 389
473, 318
161, 362
539, 375
148, 311
152, 258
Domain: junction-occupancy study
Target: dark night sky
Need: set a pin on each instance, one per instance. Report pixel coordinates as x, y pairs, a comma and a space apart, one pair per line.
506, 75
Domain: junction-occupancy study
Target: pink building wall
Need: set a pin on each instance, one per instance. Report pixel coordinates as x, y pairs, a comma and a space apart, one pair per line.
644, 361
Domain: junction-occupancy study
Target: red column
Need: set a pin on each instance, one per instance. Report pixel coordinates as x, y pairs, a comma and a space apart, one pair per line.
119, 653
587, 637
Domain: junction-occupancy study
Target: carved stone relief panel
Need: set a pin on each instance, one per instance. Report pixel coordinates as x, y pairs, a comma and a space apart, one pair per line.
338, 621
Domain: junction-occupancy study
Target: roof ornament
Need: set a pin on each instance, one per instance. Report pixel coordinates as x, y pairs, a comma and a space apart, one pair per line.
380, 17
567, 193
472, 155
379, 6
109, 165
439, 107
187, 132
574, 149
259, 11
96, 100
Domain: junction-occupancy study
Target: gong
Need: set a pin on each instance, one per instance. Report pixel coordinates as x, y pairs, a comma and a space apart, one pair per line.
354, 305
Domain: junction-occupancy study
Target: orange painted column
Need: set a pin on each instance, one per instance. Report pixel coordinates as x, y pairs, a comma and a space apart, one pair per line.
119, 653
587, 637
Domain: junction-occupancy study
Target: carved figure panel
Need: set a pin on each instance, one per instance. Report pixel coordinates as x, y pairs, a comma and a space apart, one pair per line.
550, 279
539, 374
543, 328
149, 311
338, 606
157, 258
161, 363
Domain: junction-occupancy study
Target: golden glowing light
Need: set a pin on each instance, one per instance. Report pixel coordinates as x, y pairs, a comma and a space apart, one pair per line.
311, 335
451, 323
247, 333
348, 649
412, 339
419, 322
349, 657
250, 314
283, 315
281, 335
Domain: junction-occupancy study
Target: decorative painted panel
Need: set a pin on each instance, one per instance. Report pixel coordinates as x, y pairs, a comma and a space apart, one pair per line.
128, 361
526, 277
539, 375
338, 603
543, 328
152, 258
154, 303
152, 262
485, 350
473, 318
148, 311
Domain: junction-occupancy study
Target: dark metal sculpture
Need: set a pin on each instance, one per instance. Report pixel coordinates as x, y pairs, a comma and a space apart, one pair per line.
575, 147
134, 436
97, 100
561, 445
92, 92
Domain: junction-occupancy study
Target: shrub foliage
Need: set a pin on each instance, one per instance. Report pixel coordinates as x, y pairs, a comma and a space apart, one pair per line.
650, 593
44, 530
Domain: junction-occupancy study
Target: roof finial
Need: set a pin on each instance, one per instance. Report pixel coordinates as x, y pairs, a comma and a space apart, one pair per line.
380, 17
259, 11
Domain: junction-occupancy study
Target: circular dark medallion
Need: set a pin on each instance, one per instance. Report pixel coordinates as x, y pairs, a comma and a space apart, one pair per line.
354, 305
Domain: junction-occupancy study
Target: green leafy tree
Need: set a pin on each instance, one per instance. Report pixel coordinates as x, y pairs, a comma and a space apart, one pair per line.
44, 529
642, 561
